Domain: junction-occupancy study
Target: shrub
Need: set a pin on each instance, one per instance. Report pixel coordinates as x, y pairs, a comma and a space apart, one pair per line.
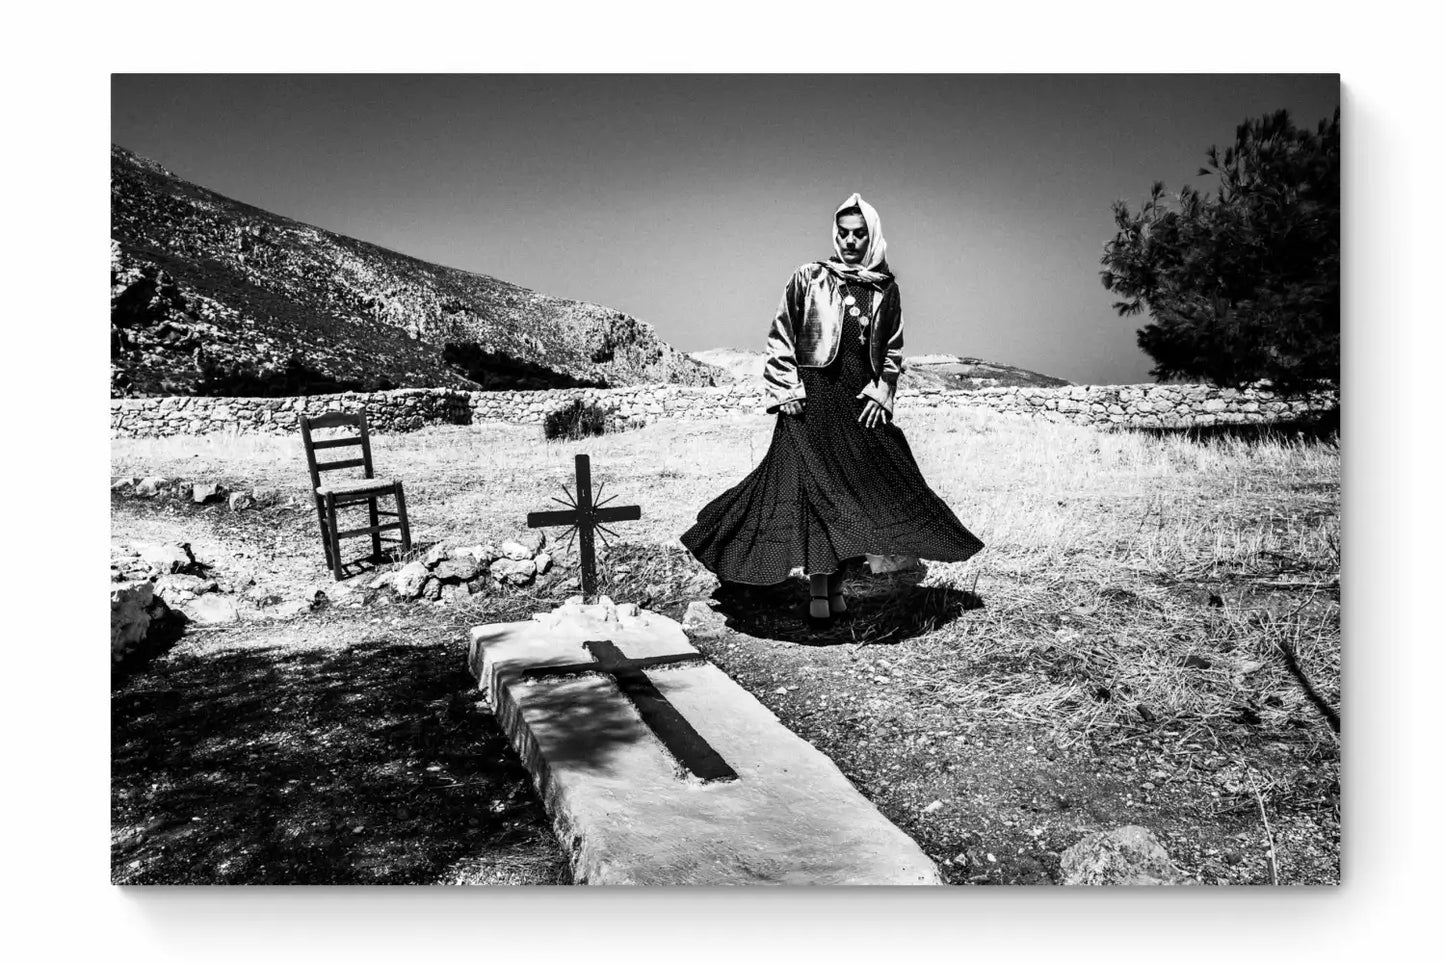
577, 420
1243, 285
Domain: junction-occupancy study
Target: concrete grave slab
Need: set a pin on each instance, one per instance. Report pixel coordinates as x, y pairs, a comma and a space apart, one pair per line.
624, 807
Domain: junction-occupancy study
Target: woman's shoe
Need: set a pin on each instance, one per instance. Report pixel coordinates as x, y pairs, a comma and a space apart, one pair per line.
818, 608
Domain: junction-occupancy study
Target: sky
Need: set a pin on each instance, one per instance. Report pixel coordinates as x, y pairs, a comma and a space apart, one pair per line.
687, 200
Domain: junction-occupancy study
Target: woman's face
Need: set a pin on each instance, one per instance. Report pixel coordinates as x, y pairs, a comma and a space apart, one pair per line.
852, 237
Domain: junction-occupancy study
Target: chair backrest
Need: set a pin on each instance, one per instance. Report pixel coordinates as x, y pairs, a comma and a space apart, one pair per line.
336, 419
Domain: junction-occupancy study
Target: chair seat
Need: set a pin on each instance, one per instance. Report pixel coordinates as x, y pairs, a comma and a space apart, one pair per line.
351, 486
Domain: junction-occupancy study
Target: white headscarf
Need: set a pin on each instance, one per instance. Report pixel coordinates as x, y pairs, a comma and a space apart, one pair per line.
867, 268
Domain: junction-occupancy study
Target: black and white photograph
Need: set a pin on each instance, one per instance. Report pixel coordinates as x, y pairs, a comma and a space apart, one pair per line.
722, 479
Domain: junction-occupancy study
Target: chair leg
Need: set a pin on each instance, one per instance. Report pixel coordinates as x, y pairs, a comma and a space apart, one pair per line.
335, 541
325, 532
375, 535
401, 517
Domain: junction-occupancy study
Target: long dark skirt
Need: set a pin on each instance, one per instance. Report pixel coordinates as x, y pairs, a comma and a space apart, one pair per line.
827, 491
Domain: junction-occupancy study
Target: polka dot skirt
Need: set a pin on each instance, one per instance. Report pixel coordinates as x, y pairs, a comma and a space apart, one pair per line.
828, 489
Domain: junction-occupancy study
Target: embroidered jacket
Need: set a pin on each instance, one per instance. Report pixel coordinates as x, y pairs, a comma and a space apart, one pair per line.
808, 327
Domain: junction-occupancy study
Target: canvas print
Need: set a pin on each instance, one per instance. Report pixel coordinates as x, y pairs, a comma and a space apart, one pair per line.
693, 480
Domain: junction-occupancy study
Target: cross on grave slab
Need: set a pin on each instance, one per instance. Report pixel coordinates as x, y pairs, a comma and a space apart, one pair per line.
684, 742
585, 516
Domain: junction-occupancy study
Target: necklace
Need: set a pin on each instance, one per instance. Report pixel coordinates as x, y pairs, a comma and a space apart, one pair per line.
851, 304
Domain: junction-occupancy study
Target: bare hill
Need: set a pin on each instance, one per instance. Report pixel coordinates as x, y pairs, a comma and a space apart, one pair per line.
213, 296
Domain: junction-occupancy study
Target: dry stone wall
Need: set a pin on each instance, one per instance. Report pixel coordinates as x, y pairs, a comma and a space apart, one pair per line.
406, 409
1124, 406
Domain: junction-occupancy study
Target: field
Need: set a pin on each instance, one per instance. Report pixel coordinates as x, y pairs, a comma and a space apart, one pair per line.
1151, 636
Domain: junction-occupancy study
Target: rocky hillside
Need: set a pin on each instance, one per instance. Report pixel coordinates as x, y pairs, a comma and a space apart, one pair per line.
214, 297
943, 370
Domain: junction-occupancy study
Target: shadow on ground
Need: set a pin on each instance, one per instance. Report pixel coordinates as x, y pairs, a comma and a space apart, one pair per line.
272, 763
882, 609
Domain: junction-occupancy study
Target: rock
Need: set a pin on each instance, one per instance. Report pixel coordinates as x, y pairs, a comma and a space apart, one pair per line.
476, 585
484, 554
700, 620
455, 592
203, 492
437, 553
121, 484
211, 610
383, 580
543, 561
410, 579
167, 557
240, 502
129, 620
513, 571
882, 564
431, 589
515, 550
264, 496
933, 807
532, 540
150, 487
178, 588
342, 593
1127, 856
462, 569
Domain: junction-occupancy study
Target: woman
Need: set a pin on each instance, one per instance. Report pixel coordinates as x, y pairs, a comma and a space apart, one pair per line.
838, 481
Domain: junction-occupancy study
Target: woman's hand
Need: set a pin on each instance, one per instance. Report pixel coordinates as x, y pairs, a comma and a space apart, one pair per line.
873, 414
793, 407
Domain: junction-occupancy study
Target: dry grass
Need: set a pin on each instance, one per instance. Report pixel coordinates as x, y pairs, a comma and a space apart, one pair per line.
1103, 550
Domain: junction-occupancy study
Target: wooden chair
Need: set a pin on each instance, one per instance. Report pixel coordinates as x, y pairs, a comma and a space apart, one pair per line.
330, 495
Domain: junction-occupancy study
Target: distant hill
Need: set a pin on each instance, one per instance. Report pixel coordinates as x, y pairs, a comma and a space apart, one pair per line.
213, 296
944, 370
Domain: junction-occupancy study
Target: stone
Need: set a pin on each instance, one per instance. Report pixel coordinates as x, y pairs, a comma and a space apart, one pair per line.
211, 609
240, 501
410, 579
166, 557
484, 554
150, 487
461, 569
129, 618
431, 589
1127, 856
625, 810
437, 553
532, 540
515, 550
178, 588
203, 492
455, 591
543, 561
121, 484
513, 571
383, 580
882, 564
702, 621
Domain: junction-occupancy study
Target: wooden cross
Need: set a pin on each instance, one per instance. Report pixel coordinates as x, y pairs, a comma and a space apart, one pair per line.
585, 515
684, 742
